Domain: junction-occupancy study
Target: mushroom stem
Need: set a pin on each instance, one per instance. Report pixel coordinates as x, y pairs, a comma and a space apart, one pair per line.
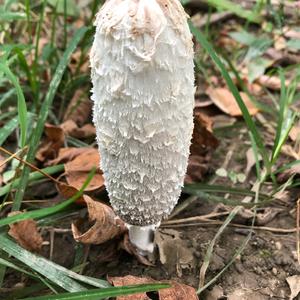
142, 237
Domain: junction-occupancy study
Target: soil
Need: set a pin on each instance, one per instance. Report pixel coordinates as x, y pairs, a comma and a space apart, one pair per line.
259, 272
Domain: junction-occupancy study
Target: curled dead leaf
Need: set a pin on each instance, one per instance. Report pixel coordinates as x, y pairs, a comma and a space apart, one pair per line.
65, 155
77, 58
49, 148
106, 225
273, 82
294, 133
131, 249
26, 234
225, 101
176, 292
72, 129
169, 241
79, 108
77, 170
68, 191
203, 144
294, 284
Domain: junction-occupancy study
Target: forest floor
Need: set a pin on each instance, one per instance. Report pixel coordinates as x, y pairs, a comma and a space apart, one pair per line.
235, 233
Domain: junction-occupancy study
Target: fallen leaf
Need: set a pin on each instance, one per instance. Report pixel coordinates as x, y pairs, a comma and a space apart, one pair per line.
169, 241
291, 33
294, 133
84, 162
202, 146
71, 128
77, 170
106, 225
50, 146
131, 280
65, 155
273, 82
76, 59
288, 173
251, 160
26, 234
176, 292
294, 284
215, 294
225, 101
126, 245
79, 109
68, 191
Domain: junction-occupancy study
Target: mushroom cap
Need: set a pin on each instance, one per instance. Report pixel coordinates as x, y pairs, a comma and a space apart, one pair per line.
143, 93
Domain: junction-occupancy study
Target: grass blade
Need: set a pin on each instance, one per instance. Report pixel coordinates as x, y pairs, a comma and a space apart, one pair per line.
39, 213
22, 109
104, 293
7, 129
236, 9
191, 188
50, 270
35, 139
247, 117
210, 248
34, 176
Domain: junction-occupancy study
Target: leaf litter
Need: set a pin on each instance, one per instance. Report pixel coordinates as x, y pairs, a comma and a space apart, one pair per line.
176, 292
76, 124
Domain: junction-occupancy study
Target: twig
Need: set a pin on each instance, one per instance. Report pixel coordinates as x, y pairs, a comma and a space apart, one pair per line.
12, 156
197, 218
183, 206
28, 164
212, 222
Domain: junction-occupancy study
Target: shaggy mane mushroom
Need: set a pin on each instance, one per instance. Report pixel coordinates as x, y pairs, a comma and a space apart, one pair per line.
143, 93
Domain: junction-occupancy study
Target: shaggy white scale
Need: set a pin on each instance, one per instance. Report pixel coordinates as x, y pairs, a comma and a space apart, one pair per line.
143, 93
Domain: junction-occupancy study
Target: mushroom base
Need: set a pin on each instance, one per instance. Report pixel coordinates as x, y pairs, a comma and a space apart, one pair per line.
142, 237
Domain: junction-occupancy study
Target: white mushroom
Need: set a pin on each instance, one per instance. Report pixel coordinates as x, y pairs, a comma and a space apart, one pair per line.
143, 93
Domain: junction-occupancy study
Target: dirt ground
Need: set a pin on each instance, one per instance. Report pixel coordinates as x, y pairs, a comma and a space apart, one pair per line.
259, 272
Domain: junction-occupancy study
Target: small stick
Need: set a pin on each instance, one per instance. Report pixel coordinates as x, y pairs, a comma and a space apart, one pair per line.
29, 164
208, 222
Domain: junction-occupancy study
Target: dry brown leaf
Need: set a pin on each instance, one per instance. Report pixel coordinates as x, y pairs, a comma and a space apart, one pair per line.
79, 108
225, 101
68, 191
294, 284
176, 292
291, 33
131, 249
78, 169
294, 133
131, 280
106, 225
65, 155
84, 162
26, 234
169, 241
50, 146
273, 82
288, 173
76, 58
71, 128
203, 144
